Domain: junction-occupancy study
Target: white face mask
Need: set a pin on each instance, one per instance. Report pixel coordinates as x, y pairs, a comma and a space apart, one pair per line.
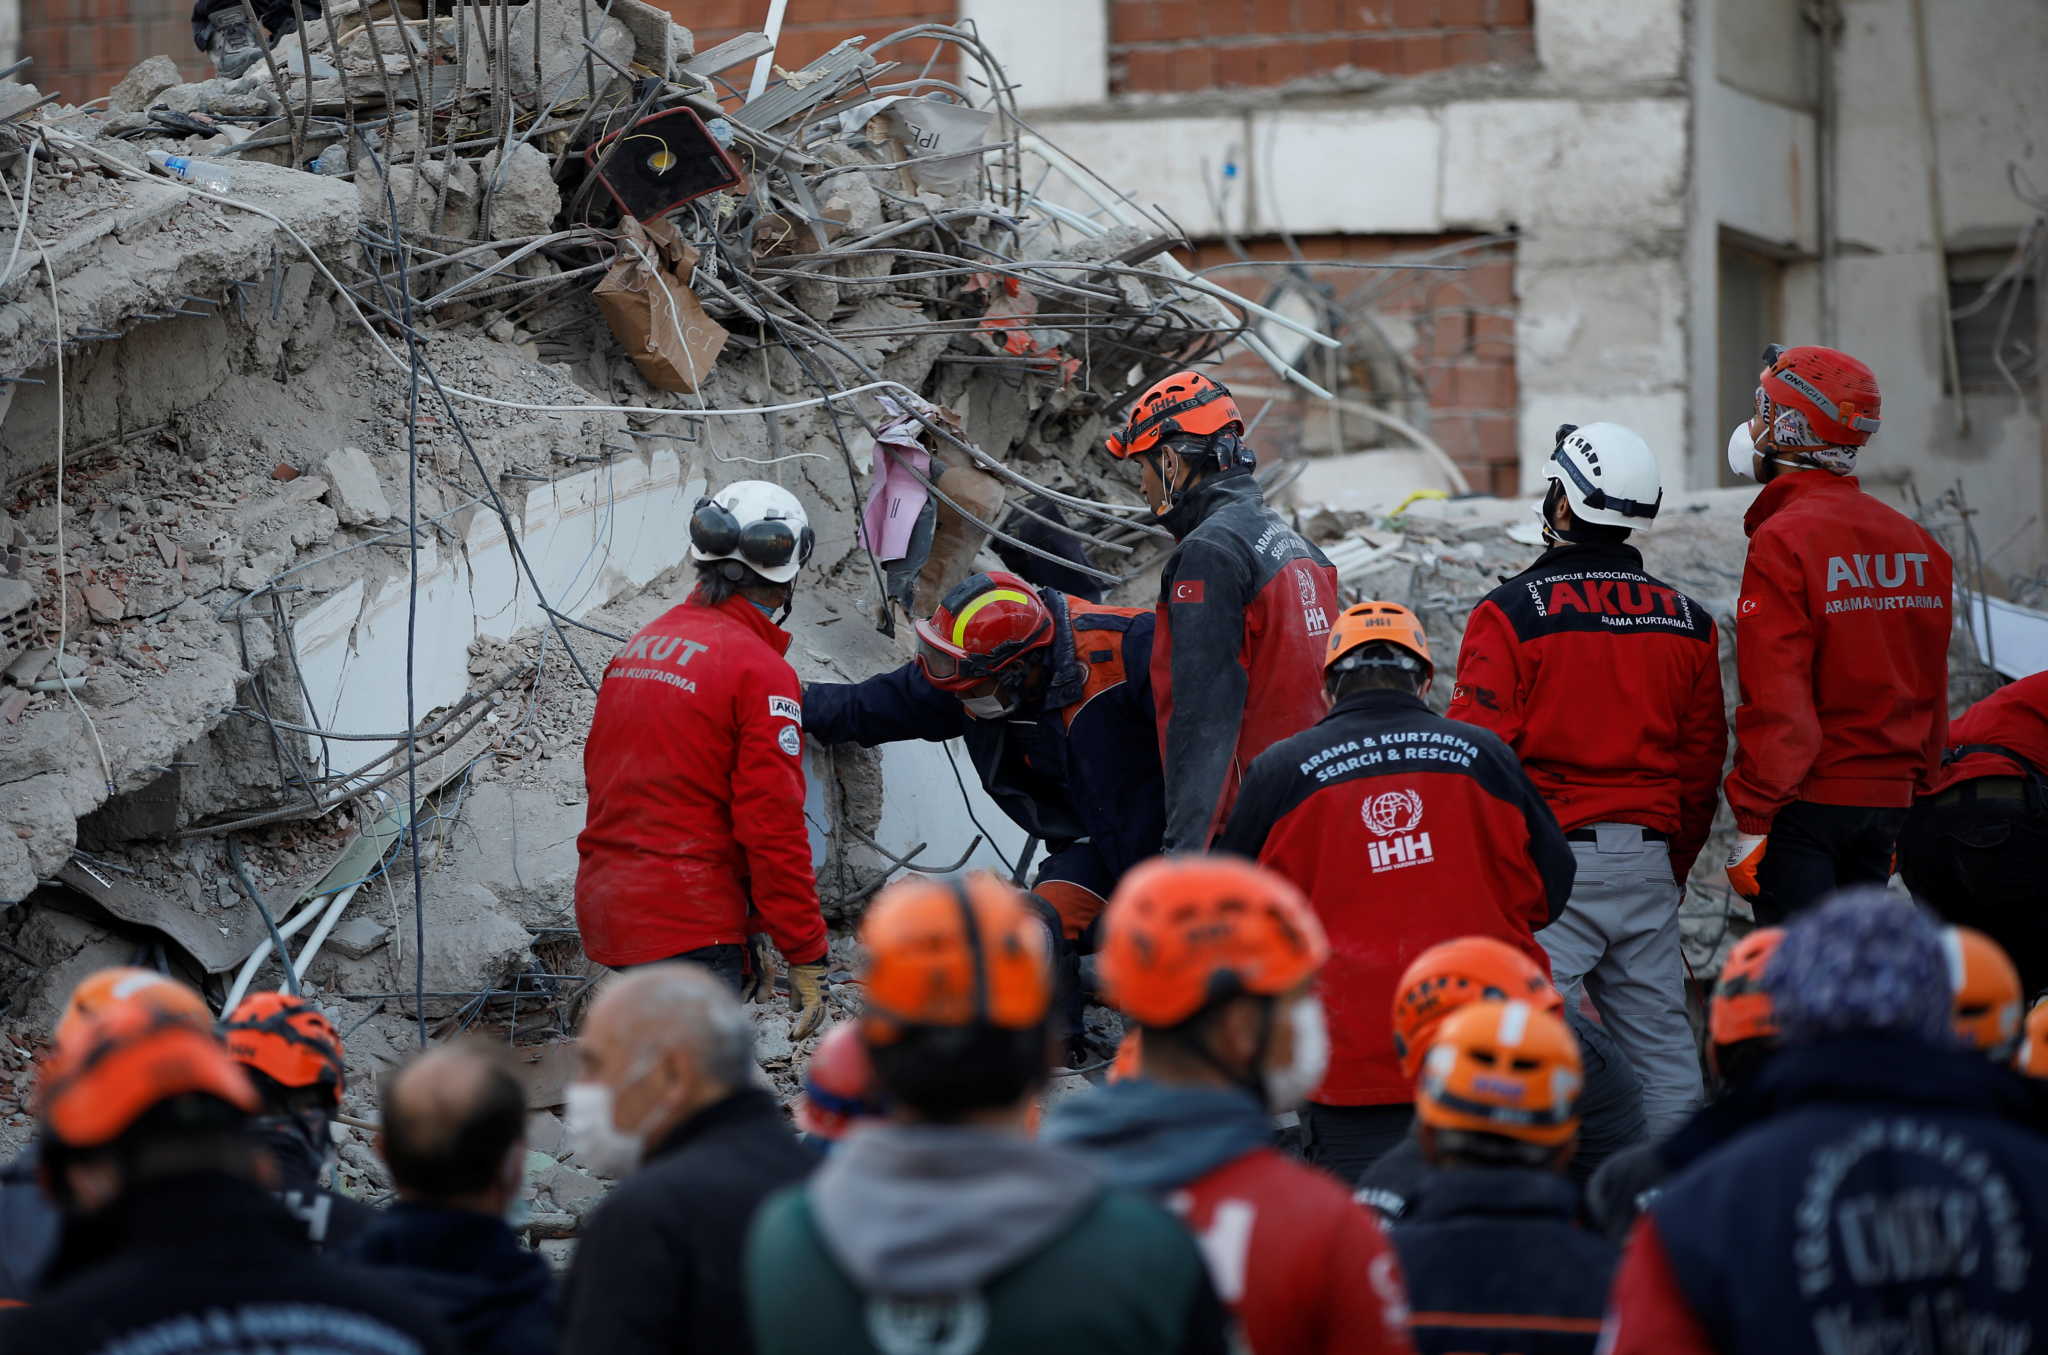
1288, 1087
1742, 452
988, 707
596, 1139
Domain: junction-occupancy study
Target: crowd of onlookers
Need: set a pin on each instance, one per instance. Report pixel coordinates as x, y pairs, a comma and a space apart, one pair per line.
1871, 1174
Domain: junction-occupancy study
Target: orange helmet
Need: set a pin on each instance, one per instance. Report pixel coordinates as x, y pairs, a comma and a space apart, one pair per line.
2032, 1058
1367, 623
1740, 1009
288, 1041
1809, 398
1129, 1062
1987, 991
959, 952
839, 1085
1184, 403
1450, 975
105, 988
1183, 932
982, 628
1502, 1068
113, 1067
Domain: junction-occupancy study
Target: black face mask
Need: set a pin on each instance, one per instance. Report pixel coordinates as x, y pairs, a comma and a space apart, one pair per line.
301, 1144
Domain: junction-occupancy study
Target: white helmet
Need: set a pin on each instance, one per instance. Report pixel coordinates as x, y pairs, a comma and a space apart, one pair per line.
1608, 474
758, 524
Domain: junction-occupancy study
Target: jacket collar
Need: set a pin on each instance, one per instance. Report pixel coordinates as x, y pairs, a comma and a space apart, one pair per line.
1490, 1192
737, 608
1209, 498
1889, 1070
1559, 557
1787, 485
1379, 701
162, 1214
1069, 675
749, 1105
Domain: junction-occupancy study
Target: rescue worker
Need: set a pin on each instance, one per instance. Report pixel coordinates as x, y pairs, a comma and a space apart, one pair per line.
223, 31
1452, 974
1606, 681
1404, 829
1494, 1259
839, 1093
1215, 960
1841, 644
695, 769
666, 1102
295, 1060
1244, 603
1894, 1197
1974, 842
453, 1134
29, 1221
1742, 1035
2032, 1056
1053, 698
171, 1239
948, 1228
1988, 1001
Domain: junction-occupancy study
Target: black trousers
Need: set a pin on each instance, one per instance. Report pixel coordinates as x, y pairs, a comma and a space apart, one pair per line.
728, 961
1817, 849
1345, 1140
1980, 861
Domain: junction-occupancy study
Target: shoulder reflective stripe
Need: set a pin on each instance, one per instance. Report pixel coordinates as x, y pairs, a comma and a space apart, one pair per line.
992, 595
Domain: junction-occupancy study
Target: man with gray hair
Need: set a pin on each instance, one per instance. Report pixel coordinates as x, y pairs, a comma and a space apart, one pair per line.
665, 1100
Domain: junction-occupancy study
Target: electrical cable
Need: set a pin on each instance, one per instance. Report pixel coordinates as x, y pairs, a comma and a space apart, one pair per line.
1008, 867
284, 956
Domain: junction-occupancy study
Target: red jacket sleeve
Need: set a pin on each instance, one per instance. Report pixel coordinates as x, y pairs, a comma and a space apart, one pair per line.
1365, 1299
1646, 1313
1489, 691
768, 813
1702, 748
1777, 729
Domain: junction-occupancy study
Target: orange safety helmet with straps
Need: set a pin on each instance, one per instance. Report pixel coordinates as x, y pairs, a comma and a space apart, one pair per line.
1454, 974
105, 988
1366, 623
983, 626
1502, 1068
1740, 1009
2032, 1058
1987, 989
114, 1067
963, 952
839, 1085
1809, 398
1183, 933
288, 1041
1184, 404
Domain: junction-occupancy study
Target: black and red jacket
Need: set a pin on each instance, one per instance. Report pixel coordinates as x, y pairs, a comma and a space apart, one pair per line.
1841, 643
2005, 734
1245, 607
695, 771
1606, 682
1404, 829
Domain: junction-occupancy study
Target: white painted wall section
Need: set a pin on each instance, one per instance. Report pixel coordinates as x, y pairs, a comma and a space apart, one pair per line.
1614, 42
1354, 171
1175, 163
1758, 163
1564, 163
1056, 52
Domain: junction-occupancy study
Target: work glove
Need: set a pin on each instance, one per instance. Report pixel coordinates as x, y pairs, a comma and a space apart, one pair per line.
806, 998
1744, 858
759, 983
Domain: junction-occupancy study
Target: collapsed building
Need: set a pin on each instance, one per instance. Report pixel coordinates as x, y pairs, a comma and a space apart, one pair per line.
353, 410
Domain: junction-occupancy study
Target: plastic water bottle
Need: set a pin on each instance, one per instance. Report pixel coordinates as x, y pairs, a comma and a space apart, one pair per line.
215, 176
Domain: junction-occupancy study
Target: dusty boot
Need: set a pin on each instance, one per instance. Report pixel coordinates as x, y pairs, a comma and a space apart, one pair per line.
234, 46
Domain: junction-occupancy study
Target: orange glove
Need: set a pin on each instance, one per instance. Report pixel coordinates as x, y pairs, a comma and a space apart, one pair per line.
1744, 858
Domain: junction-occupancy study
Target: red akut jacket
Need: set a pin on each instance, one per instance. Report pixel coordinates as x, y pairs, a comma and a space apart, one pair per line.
1404, 829
1607, 684
1245, 607
2015, 718
1304, 1268
695, 772
1841, 644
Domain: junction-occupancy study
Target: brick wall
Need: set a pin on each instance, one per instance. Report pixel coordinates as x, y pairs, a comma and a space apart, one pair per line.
814, 27
1461, 353
1164, 45
83, 47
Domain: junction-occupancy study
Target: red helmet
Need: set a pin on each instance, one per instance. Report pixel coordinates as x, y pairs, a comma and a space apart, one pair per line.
1185, 403
115, 1066
982, 627
1812, 398
839, 1085
287, 1040
1740, 1008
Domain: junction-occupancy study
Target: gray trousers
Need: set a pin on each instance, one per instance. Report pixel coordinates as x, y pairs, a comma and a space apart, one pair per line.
1619, 939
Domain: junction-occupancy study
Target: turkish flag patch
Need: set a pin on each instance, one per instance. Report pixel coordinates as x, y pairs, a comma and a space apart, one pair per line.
1747, 607
1190, 591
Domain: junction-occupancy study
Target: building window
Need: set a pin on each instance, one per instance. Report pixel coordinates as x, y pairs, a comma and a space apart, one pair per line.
1750, 309
1994, 303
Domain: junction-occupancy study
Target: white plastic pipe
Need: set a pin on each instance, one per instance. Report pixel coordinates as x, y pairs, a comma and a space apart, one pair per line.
762, 68
286, 929
311, 950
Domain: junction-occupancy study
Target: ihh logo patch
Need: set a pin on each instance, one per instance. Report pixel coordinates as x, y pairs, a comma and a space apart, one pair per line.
1393, 816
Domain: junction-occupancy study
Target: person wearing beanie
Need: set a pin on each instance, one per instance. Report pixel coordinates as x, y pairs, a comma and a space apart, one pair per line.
1888, 1193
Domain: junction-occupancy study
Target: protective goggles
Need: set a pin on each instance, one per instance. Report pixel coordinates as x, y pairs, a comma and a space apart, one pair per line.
1599, 498
766, 543
952, 669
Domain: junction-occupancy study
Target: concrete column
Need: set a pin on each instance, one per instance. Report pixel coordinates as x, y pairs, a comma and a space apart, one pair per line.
1055, 51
